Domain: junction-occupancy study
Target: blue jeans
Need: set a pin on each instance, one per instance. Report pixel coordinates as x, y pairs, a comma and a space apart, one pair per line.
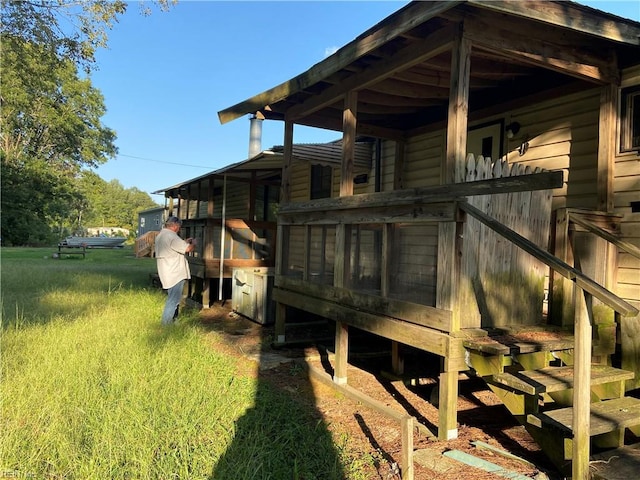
174, 295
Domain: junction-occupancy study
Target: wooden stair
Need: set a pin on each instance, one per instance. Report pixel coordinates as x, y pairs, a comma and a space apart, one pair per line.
531, 376
556, 379
606, 416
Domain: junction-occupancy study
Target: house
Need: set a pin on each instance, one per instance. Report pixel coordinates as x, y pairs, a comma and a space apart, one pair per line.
499, 228
150, 223
232, 212
151, 219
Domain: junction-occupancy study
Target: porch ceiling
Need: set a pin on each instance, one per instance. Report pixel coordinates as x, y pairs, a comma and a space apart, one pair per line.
401, 67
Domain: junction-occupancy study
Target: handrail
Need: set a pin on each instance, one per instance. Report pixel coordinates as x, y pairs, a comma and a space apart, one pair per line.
583, 281
602, 233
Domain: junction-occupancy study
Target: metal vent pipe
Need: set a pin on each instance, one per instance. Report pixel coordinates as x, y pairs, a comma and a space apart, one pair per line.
255, 136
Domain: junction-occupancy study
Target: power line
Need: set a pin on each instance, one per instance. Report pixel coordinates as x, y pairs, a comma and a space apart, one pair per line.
163, 161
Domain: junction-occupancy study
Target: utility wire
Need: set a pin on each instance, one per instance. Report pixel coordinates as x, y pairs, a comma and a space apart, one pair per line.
162, 161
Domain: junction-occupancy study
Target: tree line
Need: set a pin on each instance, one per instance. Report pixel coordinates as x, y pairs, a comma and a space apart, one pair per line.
52, 134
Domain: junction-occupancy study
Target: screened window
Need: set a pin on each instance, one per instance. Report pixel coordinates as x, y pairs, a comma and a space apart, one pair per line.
320, 181
630, 119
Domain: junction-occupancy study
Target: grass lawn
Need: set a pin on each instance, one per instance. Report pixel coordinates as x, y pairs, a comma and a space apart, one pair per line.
93, 387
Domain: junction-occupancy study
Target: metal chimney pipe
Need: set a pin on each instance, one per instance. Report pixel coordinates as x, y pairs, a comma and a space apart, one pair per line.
255, 136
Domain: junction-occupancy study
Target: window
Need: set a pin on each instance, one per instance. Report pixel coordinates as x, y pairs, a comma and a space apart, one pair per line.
630, 119
320, 181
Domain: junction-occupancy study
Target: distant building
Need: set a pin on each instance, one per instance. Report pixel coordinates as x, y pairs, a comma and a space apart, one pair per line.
150, 220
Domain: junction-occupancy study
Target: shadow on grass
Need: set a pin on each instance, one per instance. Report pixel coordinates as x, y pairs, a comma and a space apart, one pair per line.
283, 435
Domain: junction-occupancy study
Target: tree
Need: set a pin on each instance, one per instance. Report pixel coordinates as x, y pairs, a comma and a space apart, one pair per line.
51, 127
109, 204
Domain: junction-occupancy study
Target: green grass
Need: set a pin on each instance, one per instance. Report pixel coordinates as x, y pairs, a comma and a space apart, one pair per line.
93, 387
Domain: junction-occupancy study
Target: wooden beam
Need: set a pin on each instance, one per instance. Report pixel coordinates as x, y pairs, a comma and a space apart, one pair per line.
417, 314
568, 15
418, 213
285, 191
417, 336
425, 195
526, 45
394, 26
453, 166
414, 54
348, 143
607, 126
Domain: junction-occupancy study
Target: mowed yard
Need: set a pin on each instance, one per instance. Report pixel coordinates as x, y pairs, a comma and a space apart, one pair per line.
93, 387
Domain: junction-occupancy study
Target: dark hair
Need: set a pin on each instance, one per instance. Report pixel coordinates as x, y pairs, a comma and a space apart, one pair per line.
172, 220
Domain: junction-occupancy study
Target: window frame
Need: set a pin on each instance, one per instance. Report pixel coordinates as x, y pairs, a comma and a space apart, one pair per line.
630, 119
320, 181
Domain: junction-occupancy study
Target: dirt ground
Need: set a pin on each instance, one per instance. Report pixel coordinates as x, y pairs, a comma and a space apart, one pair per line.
481, 416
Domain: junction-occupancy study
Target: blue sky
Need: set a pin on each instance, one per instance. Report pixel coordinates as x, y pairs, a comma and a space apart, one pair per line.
165, 76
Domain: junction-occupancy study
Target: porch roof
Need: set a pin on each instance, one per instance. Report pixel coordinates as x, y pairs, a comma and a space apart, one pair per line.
401, 67
267, 165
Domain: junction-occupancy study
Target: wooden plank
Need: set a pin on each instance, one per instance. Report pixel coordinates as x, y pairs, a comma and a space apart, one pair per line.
580, 279
469, 297
417, 52
423, 315
407, 422
410, 334
555, 379
606, 416
616, 464
571, 16
590, 226
424, 195
522, 47
447, 280
630, 347
416, 213
395, 25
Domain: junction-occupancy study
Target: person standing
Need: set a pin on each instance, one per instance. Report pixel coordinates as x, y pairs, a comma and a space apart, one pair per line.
173, 268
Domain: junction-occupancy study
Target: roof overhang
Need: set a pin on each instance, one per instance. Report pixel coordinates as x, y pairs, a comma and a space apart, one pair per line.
400, 68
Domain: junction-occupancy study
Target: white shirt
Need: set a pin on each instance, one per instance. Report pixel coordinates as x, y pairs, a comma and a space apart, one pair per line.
171, 259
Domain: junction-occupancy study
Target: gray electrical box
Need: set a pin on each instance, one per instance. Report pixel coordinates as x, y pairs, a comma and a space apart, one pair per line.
251, 293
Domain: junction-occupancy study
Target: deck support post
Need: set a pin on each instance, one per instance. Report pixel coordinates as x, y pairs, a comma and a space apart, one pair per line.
342, 353
282, 232
448, 406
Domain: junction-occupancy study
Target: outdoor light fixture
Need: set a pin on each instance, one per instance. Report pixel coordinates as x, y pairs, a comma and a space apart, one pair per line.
512, 129
362, 178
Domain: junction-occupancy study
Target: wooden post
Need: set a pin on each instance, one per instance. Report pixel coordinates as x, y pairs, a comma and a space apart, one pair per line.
406, 425
282, 233
448, 406
342, 353
453, 168
397, 361
562, 304
581, 386
448, 232
343, 232
208, 243
607, 146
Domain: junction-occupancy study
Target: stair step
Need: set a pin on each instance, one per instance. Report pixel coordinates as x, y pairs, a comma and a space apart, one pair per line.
521, 342
606, 416
555, 379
